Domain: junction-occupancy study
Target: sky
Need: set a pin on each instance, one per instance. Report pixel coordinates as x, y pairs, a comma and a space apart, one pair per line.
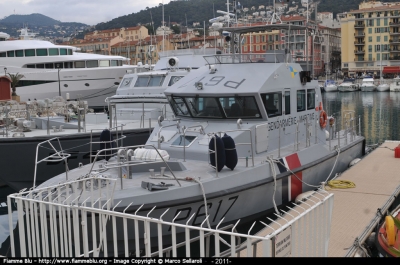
90, 12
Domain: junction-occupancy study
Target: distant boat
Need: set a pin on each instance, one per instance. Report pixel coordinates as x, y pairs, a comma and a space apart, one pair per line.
330, 86
395, 85
367, 84
382, 87
348, 85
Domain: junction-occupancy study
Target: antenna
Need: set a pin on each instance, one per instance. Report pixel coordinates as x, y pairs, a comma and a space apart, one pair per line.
187, 34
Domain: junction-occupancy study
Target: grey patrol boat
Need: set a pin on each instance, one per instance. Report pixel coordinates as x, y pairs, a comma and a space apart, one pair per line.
249, 135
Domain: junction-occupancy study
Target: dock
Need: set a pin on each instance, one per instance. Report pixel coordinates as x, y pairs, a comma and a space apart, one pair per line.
376, 178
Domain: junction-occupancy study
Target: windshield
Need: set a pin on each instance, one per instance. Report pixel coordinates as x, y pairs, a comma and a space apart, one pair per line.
218, 108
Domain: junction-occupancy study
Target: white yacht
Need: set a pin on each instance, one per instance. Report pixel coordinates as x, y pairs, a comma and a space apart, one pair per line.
54, 70
382, 87
348, 85
395, 85
330, 86
140, 96
368, 84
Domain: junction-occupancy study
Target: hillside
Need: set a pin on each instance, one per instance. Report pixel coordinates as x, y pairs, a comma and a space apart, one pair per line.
202, 10
31, 20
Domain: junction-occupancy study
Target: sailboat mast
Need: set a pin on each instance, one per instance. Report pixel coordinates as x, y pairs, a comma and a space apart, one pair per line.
163, 34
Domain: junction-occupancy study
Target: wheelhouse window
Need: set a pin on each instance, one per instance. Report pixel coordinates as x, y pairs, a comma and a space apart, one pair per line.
68, 65
174, 79
301, 100
149, 81
41, 52
29, 53
69, 51
272, 103
30, 66
104, 63
19, 53
114, 63
53, 51
219, 108
3, 54
92, 64
179, 106
310, 98
63, 51
240, 107
40, 66
287, 102
49, 65
10, 54
79, 64
126, 82
204, 107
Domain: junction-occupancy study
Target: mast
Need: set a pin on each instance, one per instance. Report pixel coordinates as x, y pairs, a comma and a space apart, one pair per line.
163, 34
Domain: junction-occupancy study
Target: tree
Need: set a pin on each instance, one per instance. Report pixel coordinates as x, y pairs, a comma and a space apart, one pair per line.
14, 81
176, 29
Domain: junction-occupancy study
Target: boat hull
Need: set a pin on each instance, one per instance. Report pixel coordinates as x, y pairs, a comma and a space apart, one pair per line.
230, 204
368, 88
383, 88
17, 156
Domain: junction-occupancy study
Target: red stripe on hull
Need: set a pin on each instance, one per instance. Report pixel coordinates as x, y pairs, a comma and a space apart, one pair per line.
293, 162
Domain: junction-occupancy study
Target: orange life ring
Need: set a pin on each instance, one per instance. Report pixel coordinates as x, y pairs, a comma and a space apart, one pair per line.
323, 117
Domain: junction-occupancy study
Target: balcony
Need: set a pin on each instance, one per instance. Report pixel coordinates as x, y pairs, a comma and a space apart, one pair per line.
394, 33
358, 17
359, 43
359, 25
359, 35
394, 58
359, 51
359, 60
392, 41
394, 51
394, 23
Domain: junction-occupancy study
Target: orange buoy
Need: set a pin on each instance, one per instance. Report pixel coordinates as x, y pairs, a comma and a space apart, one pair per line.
323, 117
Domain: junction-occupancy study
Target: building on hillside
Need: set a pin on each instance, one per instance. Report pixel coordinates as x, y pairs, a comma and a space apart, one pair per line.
145, 51
326, 19
208, 42
330, 50
371, 38
101, 41
163, 30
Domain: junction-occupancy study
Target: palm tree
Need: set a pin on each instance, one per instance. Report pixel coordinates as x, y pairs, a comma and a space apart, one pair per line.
14, 81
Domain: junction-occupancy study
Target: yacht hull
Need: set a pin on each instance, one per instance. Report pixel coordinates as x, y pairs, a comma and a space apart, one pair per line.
17, 158
368, 88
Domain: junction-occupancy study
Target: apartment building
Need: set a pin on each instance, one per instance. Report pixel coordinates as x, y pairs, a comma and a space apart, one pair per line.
370, 38
330, 49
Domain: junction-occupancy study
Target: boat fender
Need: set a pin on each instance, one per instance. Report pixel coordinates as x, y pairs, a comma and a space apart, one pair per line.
231, 157
390, 230
106, 142
220, 152
354, 161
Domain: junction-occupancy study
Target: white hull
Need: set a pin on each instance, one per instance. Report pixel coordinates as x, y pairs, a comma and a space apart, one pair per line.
331, 88
394, 88
383, 88
347, 89
368, 88
93, 84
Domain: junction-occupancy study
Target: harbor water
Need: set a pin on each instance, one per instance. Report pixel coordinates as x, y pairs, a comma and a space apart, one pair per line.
377, 111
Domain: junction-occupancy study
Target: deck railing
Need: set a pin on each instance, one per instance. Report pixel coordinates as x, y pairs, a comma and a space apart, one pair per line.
78, 219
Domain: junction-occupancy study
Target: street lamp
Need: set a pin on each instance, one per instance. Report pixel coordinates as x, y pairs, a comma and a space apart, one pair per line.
5, 70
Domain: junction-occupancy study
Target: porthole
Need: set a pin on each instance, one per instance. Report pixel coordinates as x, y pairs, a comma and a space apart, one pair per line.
87, 84
65, 85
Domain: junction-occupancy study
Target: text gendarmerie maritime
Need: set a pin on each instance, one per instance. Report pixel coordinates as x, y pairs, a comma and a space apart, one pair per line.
289, 121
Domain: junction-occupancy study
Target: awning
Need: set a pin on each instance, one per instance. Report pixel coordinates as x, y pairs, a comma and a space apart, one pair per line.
391, 70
